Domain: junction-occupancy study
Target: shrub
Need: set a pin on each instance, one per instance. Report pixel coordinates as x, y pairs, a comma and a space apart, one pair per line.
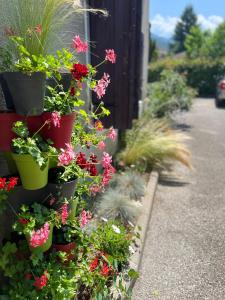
151, 143
169, 94
202, 74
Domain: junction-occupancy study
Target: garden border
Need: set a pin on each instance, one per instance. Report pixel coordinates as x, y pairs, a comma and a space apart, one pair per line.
143, 222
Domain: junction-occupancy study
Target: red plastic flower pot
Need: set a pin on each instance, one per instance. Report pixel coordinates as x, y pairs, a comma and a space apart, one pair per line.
6, 134
34, 123
62, 135
67, 248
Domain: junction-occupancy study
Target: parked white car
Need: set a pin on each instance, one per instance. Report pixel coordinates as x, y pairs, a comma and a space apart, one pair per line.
220, 93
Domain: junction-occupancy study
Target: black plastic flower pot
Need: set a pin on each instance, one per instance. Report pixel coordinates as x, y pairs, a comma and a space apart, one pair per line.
27, 92
6, 92
65, 81
60, 191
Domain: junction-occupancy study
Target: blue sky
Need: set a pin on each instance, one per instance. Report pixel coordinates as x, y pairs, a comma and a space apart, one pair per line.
164, 14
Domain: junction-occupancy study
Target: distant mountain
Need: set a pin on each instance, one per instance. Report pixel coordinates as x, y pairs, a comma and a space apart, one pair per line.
161, 42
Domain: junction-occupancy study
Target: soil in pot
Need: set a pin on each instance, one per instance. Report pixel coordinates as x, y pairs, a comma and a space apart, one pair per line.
7, 95
65, 81
62, 135
32, 176
58, 189
6, 134
27, 92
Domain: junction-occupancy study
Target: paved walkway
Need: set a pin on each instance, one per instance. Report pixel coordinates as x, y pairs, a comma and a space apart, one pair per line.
184, 256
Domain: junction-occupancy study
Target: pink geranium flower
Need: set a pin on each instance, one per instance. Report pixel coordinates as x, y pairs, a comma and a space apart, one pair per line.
84, 218
64, 213
110, 55
101, 145
55, 119
78, 45
40, 236
94, 189
106, 160
66, 156
101, 86
107, 175
112, 134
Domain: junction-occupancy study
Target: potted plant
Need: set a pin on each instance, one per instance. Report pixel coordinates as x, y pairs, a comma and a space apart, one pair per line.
6, 187
65, 236
31, 157
26, 79
7, 119
36, 223
63, 103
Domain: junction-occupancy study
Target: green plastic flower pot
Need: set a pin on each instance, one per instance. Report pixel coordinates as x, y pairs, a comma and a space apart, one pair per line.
31, 175
46, 246
10, 162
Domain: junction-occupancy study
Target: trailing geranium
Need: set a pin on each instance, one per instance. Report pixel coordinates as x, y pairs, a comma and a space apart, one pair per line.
6, 186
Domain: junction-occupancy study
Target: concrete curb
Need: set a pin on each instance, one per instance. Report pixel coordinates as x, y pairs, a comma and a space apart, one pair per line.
143, 222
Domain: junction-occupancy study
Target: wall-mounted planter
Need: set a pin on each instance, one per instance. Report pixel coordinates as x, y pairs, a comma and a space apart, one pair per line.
60, 191
27, 92
16, 199
32, 176
62, 135
6, 134
34, 123
67, 248
65, 82
10, 162
46, 246
6, 93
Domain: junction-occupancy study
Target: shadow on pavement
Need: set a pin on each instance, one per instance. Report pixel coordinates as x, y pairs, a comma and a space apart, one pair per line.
171, 181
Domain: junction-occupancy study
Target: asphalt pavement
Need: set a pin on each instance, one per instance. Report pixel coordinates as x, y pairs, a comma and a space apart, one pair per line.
184, 255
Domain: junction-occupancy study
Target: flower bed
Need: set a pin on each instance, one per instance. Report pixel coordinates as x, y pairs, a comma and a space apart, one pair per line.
59, 249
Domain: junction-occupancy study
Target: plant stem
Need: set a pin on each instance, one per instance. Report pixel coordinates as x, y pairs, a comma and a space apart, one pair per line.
101, 63
45, 123
13, 210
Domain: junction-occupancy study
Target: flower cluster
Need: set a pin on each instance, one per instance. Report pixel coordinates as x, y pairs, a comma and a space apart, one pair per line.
84, 218
64, 213
8, 185
55, 119
40, 236
101, 86
110, 56
66, 156
41, 282
99, 263
79, 71
112, 134
79, 45
89, 165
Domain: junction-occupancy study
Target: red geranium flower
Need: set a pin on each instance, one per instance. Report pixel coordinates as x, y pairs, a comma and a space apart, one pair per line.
12, 182
105, 270
41, 282
72, 91
94, 264
79, 71
2, 183
23, 221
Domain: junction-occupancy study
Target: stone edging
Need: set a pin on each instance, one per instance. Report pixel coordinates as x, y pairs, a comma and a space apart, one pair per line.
143, 222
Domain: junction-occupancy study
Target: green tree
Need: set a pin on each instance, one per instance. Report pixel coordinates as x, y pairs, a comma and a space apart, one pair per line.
194, 42
153, 50
216, 44
197, 43
183, 28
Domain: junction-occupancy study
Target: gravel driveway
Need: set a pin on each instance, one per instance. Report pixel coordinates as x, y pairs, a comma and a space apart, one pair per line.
184, 256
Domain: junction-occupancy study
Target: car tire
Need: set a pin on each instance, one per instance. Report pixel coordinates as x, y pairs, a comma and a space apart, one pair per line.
218, 103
